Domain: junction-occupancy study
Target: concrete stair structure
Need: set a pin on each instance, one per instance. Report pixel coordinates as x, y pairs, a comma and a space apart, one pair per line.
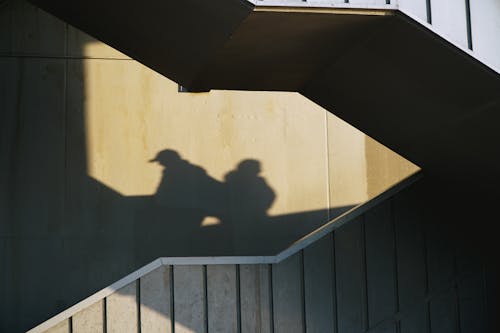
387, 72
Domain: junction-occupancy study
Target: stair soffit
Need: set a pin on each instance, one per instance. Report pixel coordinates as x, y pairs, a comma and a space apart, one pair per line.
280, 49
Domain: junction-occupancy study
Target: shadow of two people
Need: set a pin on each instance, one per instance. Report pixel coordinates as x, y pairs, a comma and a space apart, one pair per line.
173, 222
187, 196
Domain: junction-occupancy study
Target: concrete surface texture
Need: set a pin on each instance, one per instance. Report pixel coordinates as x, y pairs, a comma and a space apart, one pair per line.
91, 319
155, 300
81, 202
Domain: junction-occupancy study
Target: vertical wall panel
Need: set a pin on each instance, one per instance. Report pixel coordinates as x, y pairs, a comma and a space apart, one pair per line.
255, 299
388, 326
491, 278
5, 28
414, 7
121, 310
37, 174
471, 303
62, 327
34, 32
90, 319
318, 280
222, 298
449, 18
287, 295
467, 259
350, 277
31, 187
82, 202
9, 90
414, 320
443, 313
3, 281
380, 257
410, 249
347, 168
155, 301
189, 299
440, 256
486, 29
29, 274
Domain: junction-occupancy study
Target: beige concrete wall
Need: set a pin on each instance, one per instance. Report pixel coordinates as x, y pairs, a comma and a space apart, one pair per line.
346, 163
384, 167
309, 157
133, 113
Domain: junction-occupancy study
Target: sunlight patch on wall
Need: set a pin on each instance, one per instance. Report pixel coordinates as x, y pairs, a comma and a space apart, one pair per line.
134, 113
209, 221
309, 158
183, 329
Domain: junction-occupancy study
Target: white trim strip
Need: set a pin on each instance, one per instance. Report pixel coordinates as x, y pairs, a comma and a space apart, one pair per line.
319, 4
327, 10
178, 261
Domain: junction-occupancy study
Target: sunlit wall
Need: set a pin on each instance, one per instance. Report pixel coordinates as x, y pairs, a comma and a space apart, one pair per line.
310, 158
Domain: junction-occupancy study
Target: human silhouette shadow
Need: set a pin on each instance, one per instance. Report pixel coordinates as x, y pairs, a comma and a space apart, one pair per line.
185, 197
187, 187
249, 199
172, 222
249, 193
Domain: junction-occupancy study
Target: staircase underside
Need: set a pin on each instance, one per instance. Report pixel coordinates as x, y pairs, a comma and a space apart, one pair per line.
377, 69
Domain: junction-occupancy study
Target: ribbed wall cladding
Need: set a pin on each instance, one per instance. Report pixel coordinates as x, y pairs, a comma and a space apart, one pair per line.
385, 271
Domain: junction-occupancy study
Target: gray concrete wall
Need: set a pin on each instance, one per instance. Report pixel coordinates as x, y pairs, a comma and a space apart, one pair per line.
396, 268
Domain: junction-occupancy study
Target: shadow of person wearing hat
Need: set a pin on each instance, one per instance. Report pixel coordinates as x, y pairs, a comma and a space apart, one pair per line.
184, 198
